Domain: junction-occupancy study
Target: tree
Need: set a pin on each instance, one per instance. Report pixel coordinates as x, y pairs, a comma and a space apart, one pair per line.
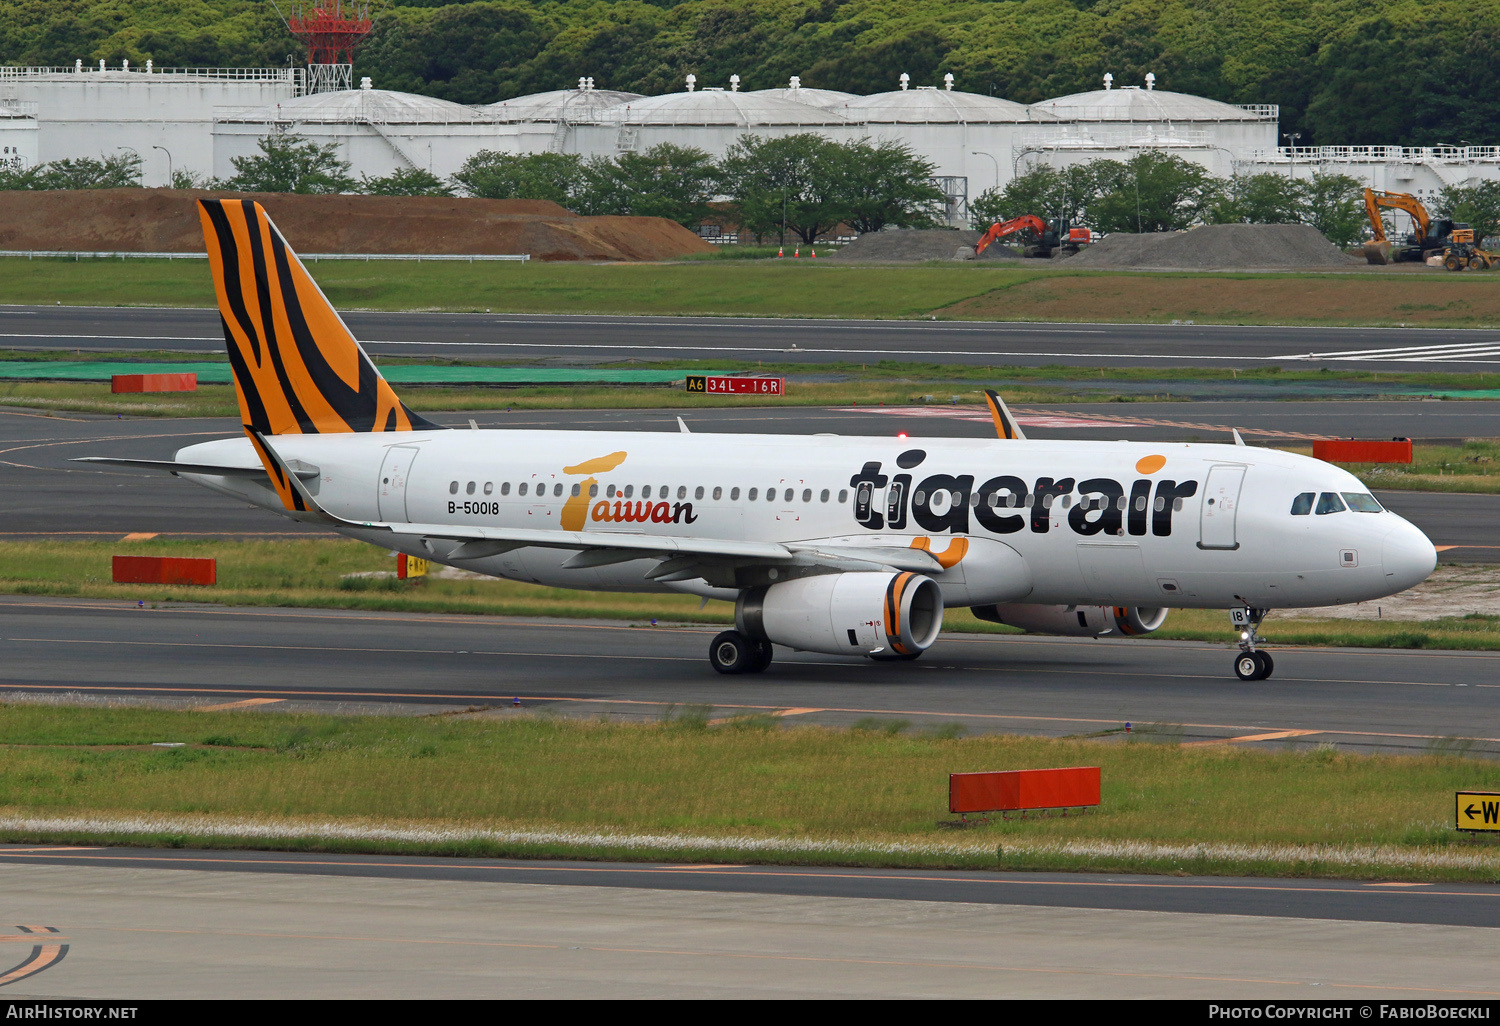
1478, 205
543, 176
1267, 198
115, 171
1151, 192
1335, 206
884, 184
789, 182
1045, 191
675, 182
290, 163
405, 181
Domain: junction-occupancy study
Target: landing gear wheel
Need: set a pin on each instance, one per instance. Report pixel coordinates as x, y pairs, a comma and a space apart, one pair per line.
731, 652
1267, 664
762, 657
1247, 666
894, 657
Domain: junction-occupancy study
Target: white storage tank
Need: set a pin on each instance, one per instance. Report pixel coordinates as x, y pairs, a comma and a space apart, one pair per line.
18, 134
377, 130
163, 114
1118, 122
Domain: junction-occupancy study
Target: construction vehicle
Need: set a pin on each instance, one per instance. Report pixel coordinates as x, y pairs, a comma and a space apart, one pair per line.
1453, 241
1049, 239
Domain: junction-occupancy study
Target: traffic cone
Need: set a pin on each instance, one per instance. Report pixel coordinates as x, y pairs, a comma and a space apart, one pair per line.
780, 252
797, 252
814, 253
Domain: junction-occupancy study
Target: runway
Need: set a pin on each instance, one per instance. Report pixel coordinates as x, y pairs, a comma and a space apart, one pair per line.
598, 338
1181, 692
183, 924
49, 497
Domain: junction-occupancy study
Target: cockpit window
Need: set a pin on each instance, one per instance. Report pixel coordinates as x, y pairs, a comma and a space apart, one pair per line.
1329, 502
1302, 504
1362, 502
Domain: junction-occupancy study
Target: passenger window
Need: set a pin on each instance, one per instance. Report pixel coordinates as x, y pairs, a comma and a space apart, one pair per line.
505, 488
823, 497
1140, 502
1046, 502
698, 492
770, 495
1031, 501
593, 491
752, 494
1302, 505
609, 493
718, 492
1329, 502
521, 488
734, 495
919, 498
843, 496
453, 488
1160, 504
682, 491
576, 489
1362, 502
646, 492
790, 493
489, 488
629, 491
469, 488
807, 495
1176, 505
557, 490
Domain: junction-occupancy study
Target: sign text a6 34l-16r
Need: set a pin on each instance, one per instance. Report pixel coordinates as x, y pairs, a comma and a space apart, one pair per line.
722, 384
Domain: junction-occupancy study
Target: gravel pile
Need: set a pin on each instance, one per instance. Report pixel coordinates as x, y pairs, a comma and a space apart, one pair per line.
1260, 246
917, 245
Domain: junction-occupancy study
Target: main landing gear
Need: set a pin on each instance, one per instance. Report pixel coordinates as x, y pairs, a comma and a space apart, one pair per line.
732, 652
1251, 663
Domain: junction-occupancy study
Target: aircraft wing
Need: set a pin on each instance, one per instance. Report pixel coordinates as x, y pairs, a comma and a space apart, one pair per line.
173, 467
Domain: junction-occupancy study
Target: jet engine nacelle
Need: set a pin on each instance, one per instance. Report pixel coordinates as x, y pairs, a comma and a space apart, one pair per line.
846, 614
1075, 621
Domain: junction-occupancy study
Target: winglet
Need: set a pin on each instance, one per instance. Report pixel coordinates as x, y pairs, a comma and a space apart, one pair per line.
1005, 423
682, 424
1237, 439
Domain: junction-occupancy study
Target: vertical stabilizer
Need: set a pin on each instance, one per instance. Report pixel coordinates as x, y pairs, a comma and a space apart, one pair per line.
297, 368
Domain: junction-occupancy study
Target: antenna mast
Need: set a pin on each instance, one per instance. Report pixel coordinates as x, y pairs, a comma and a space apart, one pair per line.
331, 29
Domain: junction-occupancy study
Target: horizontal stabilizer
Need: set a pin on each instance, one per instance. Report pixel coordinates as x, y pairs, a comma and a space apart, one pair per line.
174, 467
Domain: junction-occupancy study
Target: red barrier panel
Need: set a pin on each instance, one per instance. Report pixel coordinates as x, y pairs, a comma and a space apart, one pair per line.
1014, 790
1358, 450
154, 383
164, 570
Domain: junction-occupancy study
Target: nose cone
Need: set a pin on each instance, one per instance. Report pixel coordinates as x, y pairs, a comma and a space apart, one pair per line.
1408, 558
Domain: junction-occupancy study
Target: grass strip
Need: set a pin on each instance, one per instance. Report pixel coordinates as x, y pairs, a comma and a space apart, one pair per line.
751, 789
1029, 291
312, 573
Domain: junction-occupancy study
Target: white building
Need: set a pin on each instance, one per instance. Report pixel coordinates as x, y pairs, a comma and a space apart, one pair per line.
1120, 122
711, 119
378, 131
165, 115
18, 134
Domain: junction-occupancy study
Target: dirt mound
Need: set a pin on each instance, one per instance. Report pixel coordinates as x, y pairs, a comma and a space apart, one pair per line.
1260, 246
166, 221
916, 245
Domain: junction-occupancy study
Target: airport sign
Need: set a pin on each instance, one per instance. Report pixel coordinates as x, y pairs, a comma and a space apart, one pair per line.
723, 384
1477, 811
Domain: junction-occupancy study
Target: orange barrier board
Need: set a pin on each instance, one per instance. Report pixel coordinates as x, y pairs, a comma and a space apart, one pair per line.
1359, 450
154, 383
1014, 790
164, 570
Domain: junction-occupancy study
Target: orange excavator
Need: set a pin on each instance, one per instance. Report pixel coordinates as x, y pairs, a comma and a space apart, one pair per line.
1451, 240
1059, 236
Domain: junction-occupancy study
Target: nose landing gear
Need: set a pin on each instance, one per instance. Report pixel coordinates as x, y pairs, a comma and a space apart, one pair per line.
1251, 663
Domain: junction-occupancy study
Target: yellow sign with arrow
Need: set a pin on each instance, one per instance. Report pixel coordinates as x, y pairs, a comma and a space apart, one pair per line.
1477, 810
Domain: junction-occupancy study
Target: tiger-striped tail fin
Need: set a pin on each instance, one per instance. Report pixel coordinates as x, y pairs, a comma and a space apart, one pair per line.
297, 368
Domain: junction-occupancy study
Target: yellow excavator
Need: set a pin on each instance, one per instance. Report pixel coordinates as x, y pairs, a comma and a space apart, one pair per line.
1453, 241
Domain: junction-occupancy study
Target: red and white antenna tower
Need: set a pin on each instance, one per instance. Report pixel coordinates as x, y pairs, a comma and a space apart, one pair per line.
331, 29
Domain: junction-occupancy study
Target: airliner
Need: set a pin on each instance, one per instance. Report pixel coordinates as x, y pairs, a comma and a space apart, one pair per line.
851, 546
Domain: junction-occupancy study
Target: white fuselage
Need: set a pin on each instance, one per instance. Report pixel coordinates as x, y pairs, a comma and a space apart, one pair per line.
1112, 523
